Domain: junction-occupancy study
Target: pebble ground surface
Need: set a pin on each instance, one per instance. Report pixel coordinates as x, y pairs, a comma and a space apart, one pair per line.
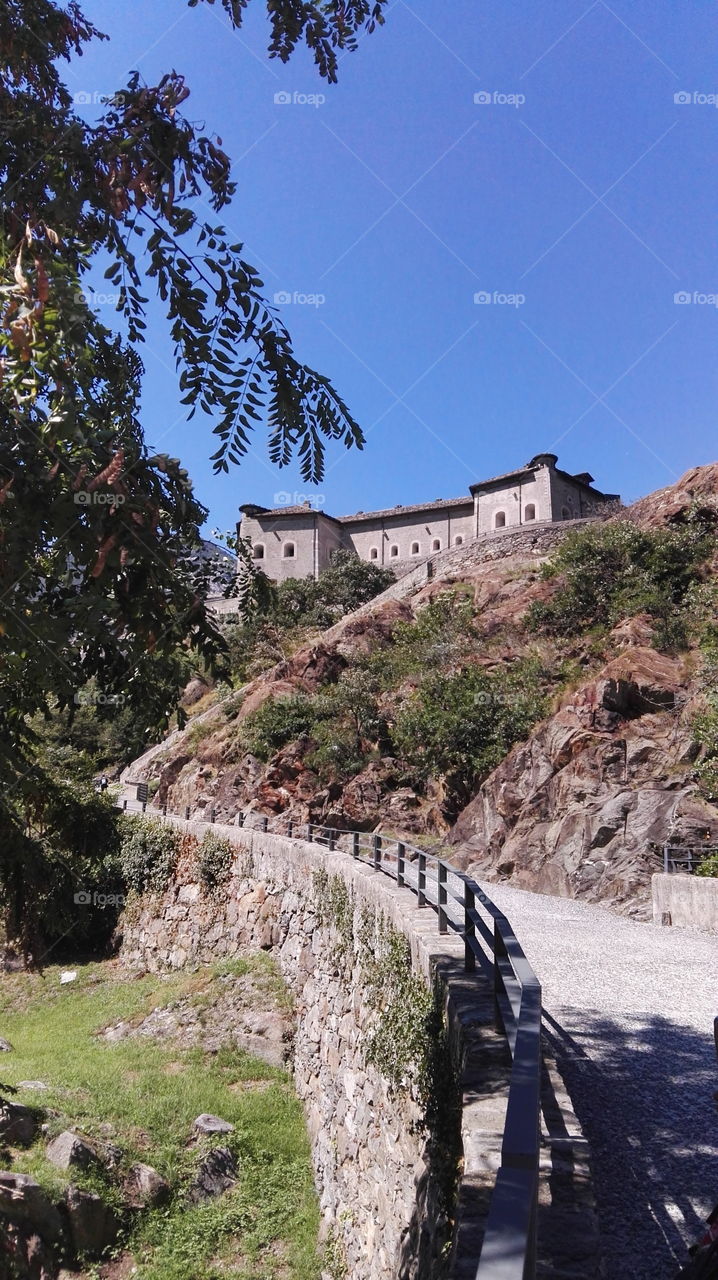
629, 1010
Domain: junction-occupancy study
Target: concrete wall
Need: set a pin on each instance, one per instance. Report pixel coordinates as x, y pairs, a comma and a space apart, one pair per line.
513, 500
401, 531
311, 534
380, 1180
685, 900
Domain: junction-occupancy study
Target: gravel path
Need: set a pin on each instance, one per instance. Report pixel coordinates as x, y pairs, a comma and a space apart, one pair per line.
630, 1008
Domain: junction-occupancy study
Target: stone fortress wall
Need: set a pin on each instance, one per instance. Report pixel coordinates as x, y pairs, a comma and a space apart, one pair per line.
300, 541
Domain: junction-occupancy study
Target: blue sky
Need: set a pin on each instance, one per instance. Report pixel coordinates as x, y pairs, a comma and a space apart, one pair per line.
577, 186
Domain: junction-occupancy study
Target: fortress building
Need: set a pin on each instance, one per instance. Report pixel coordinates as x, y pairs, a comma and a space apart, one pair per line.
300, 541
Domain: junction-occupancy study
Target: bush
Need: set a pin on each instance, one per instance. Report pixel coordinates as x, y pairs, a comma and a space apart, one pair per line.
439, 638
214, 861
610, 571
461, 725
277, 722
709, 866
148, 855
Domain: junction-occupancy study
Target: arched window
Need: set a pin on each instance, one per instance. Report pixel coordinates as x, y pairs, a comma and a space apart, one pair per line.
258, 551
415, 548
394, 551
530, 512
374, 554
459, 540
288, 551
500, 520
436, 544
565, 513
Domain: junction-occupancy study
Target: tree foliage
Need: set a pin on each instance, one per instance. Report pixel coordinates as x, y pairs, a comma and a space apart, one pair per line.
100, 580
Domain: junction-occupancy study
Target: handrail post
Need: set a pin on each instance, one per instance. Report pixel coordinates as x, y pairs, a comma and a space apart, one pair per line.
400, 863
290, 827
421, 882
240, 819
211, 814
309, 832
499, 952
144, 805
355, 844
265, 822
469, 928
332, 839
441, 897
376, 852
124, 806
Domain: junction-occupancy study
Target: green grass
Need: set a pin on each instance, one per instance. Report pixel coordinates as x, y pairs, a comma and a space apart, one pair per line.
148, 1092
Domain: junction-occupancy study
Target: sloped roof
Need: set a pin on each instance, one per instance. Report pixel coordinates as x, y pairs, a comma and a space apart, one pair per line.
437, 505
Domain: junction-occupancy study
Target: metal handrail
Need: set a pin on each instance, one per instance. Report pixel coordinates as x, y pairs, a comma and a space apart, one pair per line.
508, 1251
679, 857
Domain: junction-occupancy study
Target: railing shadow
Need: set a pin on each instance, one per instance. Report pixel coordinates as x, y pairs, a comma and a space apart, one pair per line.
644, 1099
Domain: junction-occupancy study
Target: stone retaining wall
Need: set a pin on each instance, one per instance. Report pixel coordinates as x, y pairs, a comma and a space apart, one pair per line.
381, 1177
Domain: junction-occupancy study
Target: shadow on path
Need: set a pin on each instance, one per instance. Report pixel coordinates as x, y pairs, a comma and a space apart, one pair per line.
642, 1089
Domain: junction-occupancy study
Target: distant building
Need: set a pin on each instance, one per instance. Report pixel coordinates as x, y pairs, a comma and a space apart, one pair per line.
300, 541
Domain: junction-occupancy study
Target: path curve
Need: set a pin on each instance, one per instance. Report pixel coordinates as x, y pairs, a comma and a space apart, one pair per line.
630, 1010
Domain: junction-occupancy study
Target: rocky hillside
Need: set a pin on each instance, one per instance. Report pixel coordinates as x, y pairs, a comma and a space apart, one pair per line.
542, 736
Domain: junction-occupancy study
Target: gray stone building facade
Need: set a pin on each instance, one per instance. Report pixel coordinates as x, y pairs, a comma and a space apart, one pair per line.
300, 541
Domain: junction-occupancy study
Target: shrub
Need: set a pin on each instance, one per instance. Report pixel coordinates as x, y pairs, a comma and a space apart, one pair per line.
277, 722
461, 725
148, 855
709, 866
439, 638
609, 571
214, 861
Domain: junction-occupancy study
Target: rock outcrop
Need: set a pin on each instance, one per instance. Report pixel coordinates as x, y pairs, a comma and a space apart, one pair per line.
579, 808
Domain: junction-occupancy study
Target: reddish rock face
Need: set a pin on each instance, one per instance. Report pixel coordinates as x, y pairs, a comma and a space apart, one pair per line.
579, 807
